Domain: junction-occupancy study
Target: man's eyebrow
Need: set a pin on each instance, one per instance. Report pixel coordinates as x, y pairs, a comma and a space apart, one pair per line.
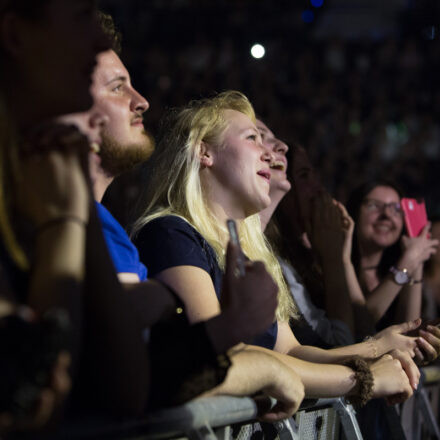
118, 78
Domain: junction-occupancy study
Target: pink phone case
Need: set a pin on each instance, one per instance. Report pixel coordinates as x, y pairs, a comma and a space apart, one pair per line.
415, 215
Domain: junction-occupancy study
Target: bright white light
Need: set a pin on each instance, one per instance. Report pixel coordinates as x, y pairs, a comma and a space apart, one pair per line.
258, 51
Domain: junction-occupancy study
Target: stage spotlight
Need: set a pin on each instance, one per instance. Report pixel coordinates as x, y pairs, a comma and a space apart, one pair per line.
258, 51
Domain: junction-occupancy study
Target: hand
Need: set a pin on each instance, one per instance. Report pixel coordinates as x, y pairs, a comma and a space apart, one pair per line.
326, 231
394, 337
250, 301
50, 399
428, 345
348, 228
410, 368
53, 180
416, 250
390, 380
288, 389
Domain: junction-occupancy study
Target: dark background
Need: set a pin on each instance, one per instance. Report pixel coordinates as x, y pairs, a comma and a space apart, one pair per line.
357, 82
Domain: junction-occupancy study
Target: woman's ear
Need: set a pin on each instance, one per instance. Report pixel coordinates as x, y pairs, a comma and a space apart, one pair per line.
206, 157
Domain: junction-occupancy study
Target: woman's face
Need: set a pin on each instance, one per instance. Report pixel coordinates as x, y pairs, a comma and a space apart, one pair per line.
380, 219
278, 181
241, 167
56, 55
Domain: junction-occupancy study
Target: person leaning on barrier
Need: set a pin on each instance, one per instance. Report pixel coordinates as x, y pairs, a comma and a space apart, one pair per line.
52, 251
210, 165
114, 128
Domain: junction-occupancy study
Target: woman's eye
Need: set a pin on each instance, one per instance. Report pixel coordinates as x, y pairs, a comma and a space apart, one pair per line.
252, 137
118, 88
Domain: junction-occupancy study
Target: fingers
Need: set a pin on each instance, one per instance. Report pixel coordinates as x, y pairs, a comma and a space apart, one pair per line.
408, 366
405, 327
429, 344
419, 358
280, 411
61, 383
425, 231
44, 409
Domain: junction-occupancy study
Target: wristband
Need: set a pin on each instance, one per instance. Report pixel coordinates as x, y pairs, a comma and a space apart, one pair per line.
364, 379
61, 219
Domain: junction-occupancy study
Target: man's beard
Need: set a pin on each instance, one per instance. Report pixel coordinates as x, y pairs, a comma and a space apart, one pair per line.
118, 158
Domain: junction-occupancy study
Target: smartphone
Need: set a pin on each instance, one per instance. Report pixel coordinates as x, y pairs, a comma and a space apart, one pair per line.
415, 215
233, 235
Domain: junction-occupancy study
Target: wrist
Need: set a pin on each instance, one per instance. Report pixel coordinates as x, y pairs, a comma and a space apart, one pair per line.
60, 220
362, 391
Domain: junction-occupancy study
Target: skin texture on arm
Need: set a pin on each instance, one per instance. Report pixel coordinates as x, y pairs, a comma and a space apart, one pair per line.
241, 315
329, 380
416, 251
52, 193
320, 380
252, 372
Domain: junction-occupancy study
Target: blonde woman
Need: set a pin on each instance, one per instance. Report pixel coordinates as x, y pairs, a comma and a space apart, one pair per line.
209, 166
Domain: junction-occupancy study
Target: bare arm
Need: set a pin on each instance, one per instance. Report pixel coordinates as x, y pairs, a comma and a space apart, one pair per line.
416, 251
253, 372
329, 380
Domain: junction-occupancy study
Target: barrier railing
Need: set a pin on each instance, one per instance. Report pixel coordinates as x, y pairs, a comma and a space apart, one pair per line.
211, 418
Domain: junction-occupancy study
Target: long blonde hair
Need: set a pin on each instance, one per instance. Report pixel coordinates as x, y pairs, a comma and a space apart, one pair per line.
174, 186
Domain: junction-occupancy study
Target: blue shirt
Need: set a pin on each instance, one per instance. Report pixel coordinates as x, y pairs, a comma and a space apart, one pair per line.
124, 254
170, 241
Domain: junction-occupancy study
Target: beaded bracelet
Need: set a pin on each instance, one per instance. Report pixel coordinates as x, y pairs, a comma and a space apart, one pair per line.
60, 219
364, 380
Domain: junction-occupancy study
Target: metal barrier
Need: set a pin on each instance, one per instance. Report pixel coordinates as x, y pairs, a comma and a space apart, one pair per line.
211, 418
424, 419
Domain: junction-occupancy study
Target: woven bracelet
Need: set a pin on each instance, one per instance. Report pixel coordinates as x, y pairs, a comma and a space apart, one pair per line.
364, 380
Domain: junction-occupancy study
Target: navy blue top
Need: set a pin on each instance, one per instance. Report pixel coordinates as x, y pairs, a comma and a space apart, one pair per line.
171, 241
122, 251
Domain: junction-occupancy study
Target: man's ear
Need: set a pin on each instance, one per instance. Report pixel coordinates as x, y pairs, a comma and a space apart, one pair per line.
206, 158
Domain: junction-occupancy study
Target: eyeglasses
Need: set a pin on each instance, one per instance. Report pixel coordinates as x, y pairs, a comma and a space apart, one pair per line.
373, 205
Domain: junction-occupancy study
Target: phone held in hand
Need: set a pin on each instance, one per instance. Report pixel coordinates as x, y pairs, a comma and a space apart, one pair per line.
415, 215
233, 236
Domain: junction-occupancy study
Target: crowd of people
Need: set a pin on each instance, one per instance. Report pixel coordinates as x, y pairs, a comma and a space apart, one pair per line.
315, 300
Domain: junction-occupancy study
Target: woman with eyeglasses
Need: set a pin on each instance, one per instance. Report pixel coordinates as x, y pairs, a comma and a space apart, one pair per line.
388, 263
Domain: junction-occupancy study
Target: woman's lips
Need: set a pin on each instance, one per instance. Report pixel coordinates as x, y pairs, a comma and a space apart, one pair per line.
265, 174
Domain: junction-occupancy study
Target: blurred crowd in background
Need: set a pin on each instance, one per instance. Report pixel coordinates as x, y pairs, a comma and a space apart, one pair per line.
363, 107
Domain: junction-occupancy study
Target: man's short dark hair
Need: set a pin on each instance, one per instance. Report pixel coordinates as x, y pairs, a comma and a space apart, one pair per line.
108, 27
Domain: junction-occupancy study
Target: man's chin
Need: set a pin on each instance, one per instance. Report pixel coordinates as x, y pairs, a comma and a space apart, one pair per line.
119, 158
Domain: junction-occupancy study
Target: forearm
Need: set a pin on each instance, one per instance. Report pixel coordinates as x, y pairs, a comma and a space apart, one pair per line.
366, 350
251, 371
320, 380
58, 270
381, 298
409, 306
57, 276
